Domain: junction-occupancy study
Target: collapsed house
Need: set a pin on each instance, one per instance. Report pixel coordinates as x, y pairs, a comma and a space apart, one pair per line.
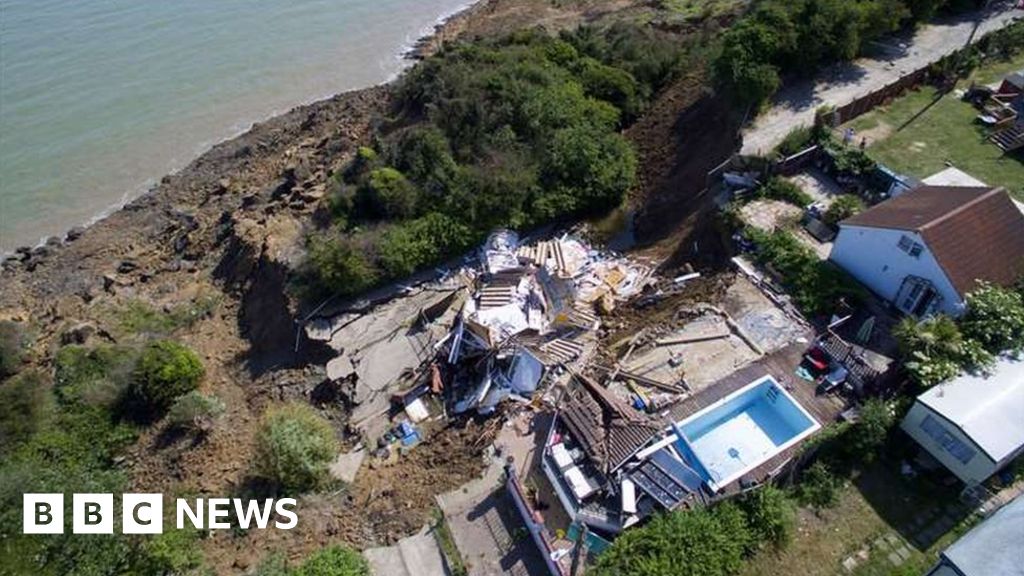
535, 307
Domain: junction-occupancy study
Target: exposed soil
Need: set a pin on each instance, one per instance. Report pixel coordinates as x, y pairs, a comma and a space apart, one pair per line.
685, 134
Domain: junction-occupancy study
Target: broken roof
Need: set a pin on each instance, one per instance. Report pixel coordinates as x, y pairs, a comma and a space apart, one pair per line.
607, 429
975, 233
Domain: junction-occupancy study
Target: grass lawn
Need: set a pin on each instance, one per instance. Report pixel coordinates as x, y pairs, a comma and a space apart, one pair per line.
917, 135
878, 505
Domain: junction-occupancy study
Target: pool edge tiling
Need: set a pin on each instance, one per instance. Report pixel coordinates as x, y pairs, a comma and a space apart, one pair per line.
745, 422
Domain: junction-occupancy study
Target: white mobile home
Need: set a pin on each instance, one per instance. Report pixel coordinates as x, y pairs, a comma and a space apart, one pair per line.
973, 424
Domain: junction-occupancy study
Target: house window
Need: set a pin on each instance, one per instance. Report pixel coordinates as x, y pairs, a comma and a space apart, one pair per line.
956, 447
908, 245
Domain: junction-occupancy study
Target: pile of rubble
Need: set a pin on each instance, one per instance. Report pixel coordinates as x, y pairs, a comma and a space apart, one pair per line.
514, 318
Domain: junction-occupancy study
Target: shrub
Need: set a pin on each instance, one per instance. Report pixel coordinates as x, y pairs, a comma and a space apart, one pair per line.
819, 487
12, 348
844, 207
165, 371
294, 446
412, 245
195, 412
770, 516
852, 160
386, 193
797, 140
334, 561
995, 318
338, 265
935, 350
816, 286
705, 542
97, 376
871, 430
24, 404
781, 189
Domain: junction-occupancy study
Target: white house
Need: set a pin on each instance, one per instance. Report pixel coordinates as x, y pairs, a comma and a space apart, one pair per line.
926, 249
973, 424
992, 547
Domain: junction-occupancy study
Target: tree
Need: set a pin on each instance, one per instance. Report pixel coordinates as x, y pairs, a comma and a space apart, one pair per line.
294, 446
597, 168
334, 561
844, 207
164, 371
12, 347
770, 515
995, 318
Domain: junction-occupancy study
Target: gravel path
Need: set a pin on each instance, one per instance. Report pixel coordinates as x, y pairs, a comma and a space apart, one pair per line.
838, 85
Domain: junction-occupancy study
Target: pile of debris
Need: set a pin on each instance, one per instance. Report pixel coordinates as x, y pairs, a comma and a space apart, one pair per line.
509, 320
534, 311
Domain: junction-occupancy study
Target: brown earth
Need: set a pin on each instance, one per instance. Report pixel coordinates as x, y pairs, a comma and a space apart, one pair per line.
232, 222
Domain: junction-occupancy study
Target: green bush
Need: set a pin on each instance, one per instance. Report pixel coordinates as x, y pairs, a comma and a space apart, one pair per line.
871, 430
818, 487
25, 401
934, 349
770, 516
852, 161
412, 245
388, 194
294, 446
97, 376
195, 412
797, 140
334, 561
701, 542
12, 348
165, 370
338, 265
995, 318
816, 286
842, 208
781, 189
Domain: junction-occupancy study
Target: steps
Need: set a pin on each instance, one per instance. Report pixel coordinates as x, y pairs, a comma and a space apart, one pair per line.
1009, 139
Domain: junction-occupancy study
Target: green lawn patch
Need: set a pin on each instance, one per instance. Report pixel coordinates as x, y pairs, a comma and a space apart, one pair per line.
920, 132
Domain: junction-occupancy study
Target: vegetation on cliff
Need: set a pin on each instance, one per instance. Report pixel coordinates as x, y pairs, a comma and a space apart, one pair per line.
511, 132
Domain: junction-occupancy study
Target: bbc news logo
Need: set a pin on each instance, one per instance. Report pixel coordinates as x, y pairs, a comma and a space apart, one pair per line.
144, 513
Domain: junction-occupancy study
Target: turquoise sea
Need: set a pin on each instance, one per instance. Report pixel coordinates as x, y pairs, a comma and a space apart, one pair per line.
101, 98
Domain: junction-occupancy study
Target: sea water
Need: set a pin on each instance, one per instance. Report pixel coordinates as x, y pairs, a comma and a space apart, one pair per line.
100, 98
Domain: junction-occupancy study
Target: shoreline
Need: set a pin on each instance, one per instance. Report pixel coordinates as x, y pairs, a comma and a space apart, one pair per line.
431, 38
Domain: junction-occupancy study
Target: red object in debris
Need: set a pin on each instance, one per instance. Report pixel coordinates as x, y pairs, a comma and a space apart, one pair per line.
436, 384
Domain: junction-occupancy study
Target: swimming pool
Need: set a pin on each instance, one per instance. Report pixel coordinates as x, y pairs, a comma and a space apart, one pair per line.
741, 431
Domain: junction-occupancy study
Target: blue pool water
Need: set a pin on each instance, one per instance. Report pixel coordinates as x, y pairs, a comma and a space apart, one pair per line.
743, 430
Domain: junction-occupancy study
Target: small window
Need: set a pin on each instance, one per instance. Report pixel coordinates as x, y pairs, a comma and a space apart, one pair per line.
956, 448
905, 243
915, 250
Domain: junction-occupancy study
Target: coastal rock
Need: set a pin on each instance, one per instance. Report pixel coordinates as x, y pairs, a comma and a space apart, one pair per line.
78, 334
74, 233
